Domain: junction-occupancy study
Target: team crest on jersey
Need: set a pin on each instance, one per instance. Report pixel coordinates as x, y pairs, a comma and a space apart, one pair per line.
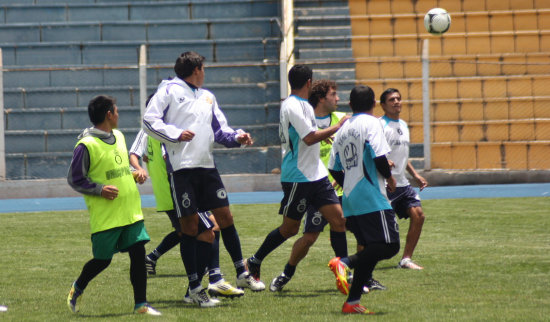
185, 201
317, 218
301, 206
208, 99
221, 194
181, 100
350, 155
118, 158
399, 131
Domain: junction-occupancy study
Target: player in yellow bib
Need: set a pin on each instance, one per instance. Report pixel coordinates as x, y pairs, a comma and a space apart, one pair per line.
100, 170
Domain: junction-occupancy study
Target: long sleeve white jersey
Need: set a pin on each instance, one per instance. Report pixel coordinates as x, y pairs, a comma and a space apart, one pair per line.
177, 107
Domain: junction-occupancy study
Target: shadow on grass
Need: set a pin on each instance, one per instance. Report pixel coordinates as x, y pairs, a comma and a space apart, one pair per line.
180, 304
304, 294
109, 315
166, 275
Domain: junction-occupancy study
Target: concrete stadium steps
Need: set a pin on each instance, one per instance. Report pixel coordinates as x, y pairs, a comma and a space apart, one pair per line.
127, 52
318, 18
125, 75
56, 164
220, 28
37, 141
16, 98
143, 10
77, 118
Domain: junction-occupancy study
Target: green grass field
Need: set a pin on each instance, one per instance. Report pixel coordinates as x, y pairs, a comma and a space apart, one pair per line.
484, 259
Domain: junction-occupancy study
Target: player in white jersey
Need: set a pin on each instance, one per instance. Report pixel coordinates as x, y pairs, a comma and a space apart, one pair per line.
187, 119
359, 155
304, 177
404, 200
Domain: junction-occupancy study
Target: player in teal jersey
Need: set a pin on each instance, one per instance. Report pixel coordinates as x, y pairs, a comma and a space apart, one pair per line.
324, 99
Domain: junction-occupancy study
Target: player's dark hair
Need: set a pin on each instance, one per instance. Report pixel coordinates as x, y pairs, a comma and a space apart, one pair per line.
187, 62
361, 99
387, 93
320, 90
299, 75
98, 108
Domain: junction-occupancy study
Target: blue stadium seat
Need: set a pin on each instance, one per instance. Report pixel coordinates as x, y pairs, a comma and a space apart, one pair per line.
19, 33
24, 119
70, 32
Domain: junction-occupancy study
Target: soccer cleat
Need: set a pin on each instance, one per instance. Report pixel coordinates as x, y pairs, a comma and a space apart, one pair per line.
199, 296
278, 283
253, 269
355, 309
224, 289
246, 280
373, 284
340, 270
150, 266
72, 299
146, 309
408, 263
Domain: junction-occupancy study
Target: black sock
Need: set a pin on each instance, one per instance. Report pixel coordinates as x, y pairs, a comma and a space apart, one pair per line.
273, 240
339, 243
232, 243
169, 241
289, 270
138, 273
214, 273
188, 250
204, 252
90, 270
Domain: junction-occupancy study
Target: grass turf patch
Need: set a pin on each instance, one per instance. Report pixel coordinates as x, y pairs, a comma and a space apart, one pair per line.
484, 259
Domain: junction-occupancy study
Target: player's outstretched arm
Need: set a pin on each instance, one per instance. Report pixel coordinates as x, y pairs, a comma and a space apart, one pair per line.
422, 183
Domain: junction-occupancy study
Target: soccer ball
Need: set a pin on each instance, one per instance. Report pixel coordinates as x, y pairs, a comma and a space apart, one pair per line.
437, 21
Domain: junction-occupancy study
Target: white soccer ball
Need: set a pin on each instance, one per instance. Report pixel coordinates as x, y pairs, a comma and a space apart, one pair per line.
437, 21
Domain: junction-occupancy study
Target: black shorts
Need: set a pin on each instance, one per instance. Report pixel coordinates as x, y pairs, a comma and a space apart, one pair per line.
298, 196
374, 227
314, 222
402, 199
204, 221
197, 190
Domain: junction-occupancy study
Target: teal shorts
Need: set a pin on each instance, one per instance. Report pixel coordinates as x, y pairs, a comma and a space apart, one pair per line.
107, 243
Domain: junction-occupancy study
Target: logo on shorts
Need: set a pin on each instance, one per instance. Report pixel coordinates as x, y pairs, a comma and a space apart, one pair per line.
185, 201
222, 194
317, 218
302, 206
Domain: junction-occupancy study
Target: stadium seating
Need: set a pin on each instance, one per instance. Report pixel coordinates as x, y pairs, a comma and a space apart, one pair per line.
488, 83
59, 54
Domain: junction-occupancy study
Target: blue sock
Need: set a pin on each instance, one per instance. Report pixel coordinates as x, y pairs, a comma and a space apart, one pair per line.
169, 241
188, 250
273, 240
232, 243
